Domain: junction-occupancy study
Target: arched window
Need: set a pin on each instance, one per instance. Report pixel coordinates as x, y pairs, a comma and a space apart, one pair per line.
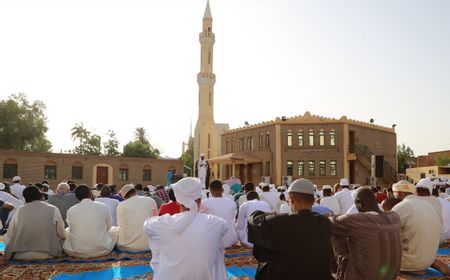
50, 170
123, 172
311, 137
289, 138
9, 168
267, 139
261, 141
77, 171
300, 138
322, 137
147, 173
333, 137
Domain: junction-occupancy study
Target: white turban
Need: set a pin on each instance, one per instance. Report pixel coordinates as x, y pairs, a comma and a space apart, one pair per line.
186, 191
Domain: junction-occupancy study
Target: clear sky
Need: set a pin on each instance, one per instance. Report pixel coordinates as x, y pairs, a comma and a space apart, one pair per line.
122, 64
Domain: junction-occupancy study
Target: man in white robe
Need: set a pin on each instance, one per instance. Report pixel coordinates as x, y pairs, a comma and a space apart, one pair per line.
202, 170
187, 245
329, 200
247, 208
273, 198
221, 207
17, 188
89, 233
344, 197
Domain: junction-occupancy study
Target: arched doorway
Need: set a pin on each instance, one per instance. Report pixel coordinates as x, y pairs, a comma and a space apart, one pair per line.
102, 174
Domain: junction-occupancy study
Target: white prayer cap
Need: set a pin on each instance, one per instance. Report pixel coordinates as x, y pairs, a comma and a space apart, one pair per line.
343, 182
2, 186
425, 183
202, 154
125, 189
62, 187
302, 186
326, 187
16, 178
187, 190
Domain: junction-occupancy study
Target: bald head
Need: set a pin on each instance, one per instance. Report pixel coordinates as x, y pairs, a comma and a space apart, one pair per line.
365, 200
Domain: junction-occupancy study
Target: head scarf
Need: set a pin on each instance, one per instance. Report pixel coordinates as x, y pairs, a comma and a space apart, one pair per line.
186, 191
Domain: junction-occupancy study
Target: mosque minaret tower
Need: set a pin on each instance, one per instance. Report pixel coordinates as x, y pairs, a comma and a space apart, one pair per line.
207, 132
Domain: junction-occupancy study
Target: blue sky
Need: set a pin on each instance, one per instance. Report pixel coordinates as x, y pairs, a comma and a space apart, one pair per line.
124, 64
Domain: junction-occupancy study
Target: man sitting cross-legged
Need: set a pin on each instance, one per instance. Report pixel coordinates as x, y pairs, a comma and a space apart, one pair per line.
89, 234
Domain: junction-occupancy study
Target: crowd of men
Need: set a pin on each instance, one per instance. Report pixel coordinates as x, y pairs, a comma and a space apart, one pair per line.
299, 232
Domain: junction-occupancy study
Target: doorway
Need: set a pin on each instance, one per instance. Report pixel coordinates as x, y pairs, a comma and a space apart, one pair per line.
102, 175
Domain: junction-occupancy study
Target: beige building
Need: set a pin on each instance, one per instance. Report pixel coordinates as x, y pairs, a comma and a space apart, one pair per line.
314, 147
207, 132
35, 167
427, 166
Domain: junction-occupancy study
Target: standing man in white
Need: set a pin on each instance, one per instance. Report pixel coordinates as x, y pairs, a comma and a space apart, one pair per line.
17, 188
344, 197
202, 170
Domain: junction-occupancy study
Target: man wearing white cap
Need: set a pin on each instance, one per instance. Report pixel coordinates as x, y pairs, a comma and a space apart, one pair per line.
329, 200
187, 245
424, 188
17, 188
344, 197
296, 246
202, 170
131, 215
421, 228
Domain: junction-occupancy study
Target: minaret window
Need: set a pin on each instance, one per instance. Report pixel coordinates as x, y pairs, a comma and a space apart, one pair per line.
209, 29
209, 98
209, 141
209, 58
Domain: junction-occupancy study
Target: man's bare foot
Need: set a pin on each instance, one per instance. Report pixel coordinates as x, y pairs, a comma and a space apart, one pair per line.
441, 267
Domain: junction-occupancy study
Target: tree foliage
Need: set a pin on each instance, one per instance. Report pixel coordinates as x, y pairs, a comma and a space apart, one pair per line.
188, 156
23, 124
141, 146
404, 157
111, 147
443, 161
90, 143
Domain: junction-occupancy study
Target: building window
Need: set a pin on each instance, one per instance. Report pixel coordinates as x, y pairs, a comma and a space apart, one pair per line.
77, 172
322, 168
268, 140
232, 145
300, 138
241, 144
260, 169
322, 137
9, 169
301, 168
123, 174
147, 174
333, 171
311, 137
227, 145
311, 168
250, 143
50, 170
267, 168
261, 141
289, 168
289, 138
332, 137
209, 140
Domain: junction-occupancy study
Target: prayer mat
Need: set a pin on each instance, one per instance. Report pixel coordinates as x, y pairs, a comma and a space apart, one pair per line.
2, 246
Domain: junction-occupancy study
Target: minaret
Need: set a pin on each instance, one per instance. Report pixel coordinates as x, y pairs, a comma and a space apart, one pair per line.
205, 129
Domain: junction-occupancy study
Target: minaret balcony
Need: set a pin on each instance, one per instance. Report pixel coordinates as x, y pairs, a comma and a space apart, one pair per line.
206, 79
207, 37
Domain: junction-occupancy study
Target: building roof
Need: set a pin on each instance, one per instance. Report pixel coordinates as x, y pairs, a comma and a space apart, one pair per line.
238, 158
207, 12
307, 118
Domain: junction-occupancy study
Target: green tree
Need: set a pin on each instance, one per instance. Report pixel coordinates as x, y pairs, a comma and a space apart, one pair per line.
404, 157
90, 144
188, 156
139, 149
111, 147
23, 124
443, 161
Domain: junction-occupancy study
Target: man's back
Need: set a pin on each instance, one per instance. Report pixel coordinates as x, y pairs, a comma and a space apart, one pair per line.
196, 253
17, 190
332, 203
224, 208
421, 231
272, 198
367, 245
63, 202
302, 251
131, 215
345, 200
88, 232
246, 209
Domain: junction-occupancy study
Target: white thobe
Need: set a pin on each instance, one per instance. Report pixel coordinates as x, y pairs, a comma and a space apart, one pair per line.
285, 208
6, 197
332, 203
202, 167
17, 190
224, 208
273, 198
195, 253
445, 217
246, 209
421, 231
89, 233
131, 215
345, 200
112, 204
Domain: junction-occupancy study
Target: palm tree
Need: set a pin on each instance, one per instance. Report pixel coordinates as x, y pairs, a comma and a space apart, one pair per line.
79, 132
141, 135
